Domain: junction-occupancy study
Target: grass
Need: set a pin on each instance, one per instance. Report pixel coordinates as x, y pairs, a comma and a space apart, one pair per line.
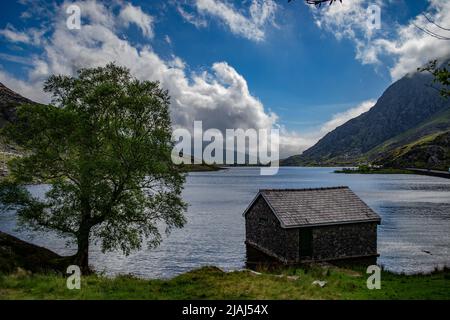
212, 283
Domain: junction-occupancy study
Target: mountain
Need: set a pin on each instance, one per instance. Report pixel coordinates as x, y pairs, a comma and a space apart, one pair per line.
9, 100
431, 152
410, 110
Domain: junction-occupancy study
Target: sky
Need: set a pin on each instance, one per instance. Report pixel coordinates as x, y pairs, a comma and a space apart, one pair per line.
232, 64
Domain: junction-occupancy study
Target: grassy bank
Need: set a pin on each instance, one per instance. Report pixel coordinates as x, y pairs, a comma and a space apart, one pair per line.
212, 283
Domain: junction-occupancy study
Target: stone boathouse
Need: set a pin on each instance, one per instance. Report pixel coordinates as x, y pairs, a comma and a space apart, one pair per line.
312, 225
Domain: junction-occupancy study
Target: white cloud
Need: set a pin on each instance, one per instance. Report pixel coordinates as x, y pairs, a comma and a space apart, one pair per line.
406, 45
295, 143
349, 20
27, 89
219, 97
14, 58
196, 20
131, 14
412, 48
342, 117
346, 19
12, 35
251, 25
263, 11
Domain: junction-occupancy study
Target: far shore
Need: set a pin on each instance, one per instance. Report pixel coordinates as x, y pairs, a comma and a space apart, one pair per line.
418, 171
374, 171
203, 167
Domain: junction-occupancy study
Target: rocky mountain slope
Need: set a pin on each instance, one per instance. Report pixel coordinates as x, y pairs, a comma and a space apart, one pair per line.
407, 112
9, 100
431, 152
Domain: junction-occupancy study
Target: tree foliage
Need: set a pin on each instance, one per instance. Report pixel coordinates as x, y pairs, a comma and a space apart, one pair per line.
104, 148
441, 75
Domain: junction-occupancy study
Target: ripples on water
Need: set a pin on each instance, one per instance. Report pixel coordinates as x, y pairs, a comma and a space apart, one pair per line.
413, 237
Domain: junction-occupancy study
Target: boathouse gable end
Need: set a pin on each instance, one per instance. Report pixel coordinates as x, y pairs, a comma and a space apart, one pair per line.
322, 224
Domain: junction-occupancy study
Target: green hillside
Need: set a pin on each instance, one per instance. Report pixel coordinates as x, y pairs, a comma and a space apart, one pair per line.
431, 152
426, 131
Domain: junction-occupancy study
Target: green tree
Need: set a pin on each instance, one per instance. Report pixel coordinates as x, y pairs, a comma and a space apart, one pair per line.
441, 75
104, 147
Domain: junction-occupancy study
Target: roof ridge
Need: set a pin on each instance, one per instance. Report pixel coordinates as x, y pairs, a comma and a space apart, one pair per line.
305, 189
316, 206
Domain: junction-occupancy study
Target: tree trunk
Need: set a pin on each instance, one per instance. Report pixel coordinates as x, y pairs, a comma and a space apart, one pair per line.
82, 256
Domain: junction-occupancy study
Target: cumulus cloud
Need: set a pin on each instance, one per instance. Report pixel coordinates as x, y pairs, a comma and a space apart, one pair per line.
346, 19
251, 25
412, 47
351, 20
219, 96
406, 45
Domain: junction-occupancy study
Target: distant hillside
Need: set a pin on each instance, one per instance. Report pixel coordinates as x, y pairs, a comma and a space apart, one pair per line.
426, 131
409, 110
9, 100
431, 152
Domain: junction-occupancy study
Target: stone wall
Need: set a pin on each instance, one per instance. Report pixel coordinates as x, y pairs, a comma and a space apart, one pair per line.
263, 230
345, 240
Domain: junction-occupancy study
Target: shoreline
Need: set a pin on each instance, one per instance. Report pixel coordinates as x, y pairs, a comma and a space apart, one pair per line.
374, 171
16, 253
202, 168
49, 281
416, 171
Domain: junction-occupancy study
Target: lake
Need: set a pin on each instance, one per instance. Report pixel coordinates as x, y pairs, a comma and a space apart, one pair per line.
414, 235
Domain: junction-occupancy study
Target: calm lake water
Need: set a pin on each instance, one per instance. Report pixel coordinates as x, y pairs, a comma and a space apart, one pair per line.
414, 235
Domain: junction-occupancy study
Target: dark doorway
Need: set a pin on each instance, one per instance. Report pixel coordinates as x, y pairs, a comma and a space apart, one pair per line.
305, 239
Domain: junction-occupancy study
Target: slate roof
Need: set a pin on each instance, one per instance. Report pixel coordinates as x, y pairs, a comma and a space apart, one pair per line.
320, 206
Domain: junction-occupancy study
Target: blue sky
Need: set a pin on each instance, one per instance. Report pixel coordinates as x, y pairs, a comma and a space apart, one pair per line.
253, 63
